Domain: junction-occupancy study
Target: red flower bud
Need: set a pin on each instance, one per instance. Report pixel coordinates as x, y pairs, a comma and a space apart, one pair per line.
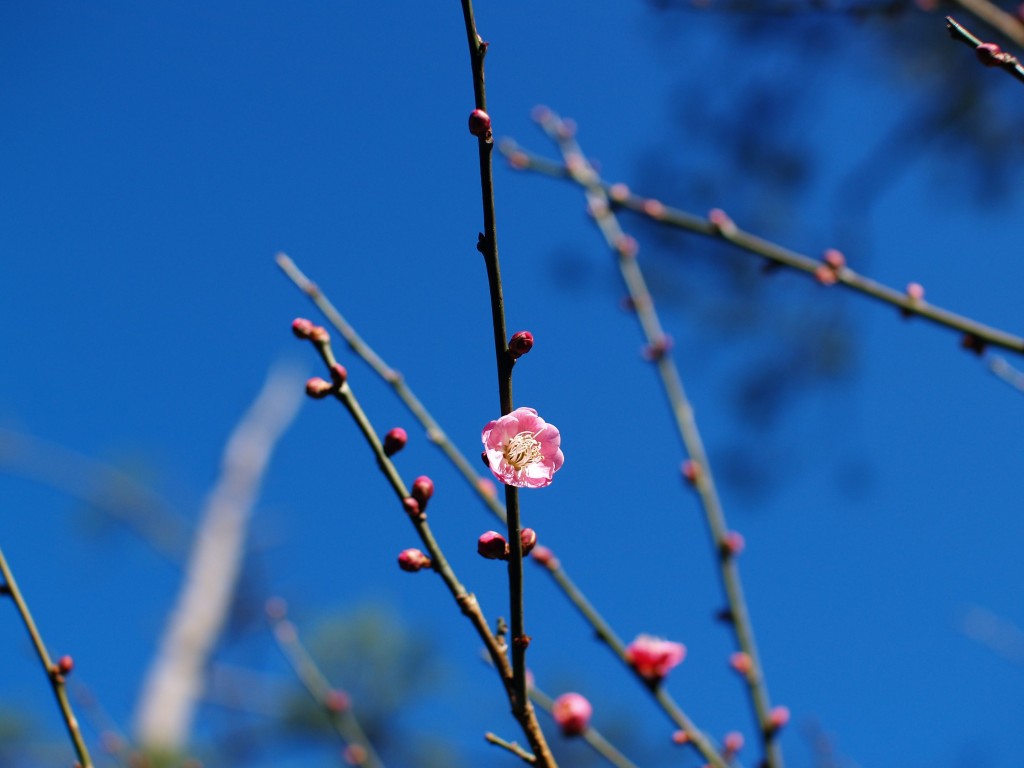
394, 441
64, 665
834, 258
741, 662
520, 344
338, 374
413, 560
412, 507
733, 543
990, 54
319, 335
691, 471
492, 545
733, 742
422, 490
778, 717
479, 123
337, 701
317, 388
528, 538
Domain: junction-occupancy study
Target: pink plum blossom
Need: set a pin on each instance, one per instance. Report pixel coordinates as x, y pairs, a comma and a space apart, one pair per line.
653, 657
522, 449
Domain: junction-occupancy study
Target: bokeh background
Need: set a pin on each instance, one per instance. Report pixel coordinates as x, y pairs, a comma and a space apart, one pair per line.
156, 156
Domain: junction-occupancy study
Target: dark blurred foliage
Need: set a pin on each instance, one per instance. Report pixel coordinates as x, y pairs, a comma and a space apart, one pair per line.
746, 136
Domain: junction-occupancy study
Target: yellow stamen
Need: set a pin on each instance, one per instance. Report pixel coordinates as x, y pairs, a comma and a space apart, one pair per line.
522, 450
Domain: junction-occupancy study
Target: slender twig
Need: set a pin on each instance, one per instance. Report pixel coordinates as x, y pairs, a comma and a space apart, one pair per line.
1006, 372
593, 737
996, 18
621, 197
54, 673
990, 54
397, 381
659, 349
487, 244
401, 388
332, 701
466, 601
510, 746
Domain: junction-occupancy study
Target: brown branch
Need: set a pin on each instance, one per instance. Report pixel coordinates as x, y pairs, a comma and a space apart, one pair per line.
989, 54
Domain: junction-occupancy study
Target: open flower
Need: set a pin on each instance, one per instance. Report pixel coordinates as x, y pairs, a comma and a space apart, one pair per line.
653, 657
522, 449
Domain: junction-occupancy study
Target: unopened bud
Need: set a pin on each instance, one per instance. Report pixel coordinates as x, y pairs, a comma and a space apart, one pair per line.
413, 560
422, 490
318, 388
572, 713
338, 374
492, 545
337, 701
733, 543
778, 717
479, 123
990, 54
825, 275
412, 507
394, 441
691, 471
520, 344
528, 539
680, 737
721, 222
733, 742
741, 662
657, 350
834, 258
302, 328
65, 665
319, 335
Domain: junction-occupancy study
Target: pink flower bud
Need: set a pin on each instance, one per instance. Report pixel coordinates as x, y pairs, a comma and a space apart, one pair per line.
394, 441
691, 471
413, 560
65, 664
422, 490
528, 538
778, 717
619, 192
653, 657
354, 754
627, 246
733, 543
825, 275
479, 123
493, 546
834, 259
318, 388
721, 222
412, 507
302, 328
680, 737
572, 713
654, 208
337, 701
657, 349
319, 335
544, 556
733, 742
741, 662
338, 374
520, 344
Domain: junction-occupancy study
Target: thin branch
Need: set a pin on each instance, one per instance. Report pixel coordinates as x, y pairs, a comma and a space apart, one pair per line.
487, 244
54, 673
332, 701
989, 54
996, 18
466, 601
620, 197
175, 678
510, 746
624, 247
1006, 372
437, 435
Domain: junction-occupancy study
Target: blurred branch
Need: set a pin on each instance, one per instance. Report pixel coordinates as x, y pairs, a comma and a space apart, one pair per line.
55, 673
510, 746
620, 197
996, 18
990, 54
1006, 372
434, 432
175, 678
659, 351
335, 703
105, 487
467, 602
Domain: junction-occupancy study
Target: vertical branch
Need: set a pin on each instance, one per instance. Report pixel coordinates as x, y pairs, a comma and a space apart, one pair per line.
175, 679
480, 125
55, 673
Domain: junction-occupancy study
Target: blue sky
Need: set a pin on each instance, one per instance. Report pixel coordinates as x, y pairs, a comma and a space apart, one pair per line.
155, 159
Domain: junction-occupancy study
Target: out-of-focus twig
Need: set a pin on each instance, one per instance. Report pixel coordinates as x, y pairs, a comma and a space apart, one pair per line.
909, 305
174, 682
333, 701
996, 17
1006, 372
989, 54
55, 673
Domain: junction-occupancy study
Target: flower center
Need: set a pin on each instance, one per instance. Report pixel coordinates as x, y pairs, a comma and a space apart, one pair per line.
521, 450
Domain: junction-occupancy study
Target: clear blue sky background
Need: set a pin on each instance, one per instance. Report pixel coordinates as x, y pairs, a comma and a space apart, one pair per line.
155, 157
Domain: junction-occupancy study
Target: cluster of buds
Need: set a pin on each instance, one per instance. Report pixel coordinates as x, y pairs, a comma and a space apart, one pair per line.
306, 329
493, 546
